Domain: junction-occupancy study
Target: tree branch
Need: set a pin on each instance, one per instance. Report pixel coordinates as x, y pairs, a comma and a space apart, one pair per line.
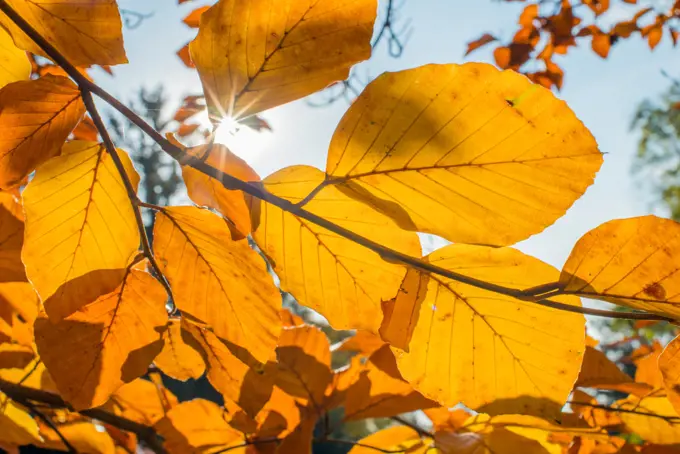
50, 423
422, 432
22, 393
356, 443
670, 419
258, 191
129, 188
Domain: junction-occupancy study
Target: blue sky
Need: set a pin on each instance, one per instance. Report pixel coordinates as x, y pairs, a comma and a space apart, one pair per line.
603, 93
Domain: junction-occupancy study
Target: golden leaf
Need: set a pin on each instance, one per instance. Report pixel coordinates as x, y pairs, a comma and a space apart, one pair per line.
105, 344
669, 366
598, 371
86, 33
84, 436
221, 282
18, 428
467, 152
14, 64
36, 117
494, 353
197, 426
651, 429
11, 239
141, 401
381, 392
208, 191
631, 262
253, 55
395, 439
178, 359
336, 277
80, 227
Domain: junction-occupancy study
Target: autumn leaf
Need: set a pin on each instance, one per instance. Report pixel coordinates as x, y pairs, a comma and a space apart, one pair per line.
336, 277
600, 372
491, 352
473, 154
479, 42
210, 192
362, 342
254, 55
80, 227
631, 262
239, 383
141, 401
380, 391
14, 64
197, 426
192, 19
178, 359
652, 429
669, 367
11, 238
18, 428
394, 439
85, 33
221, 282
36, 117
107, 343
84, 436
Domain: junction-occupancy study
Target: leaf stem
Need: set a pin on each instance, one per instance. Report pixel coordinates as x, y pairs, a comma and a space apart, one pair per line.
257, 190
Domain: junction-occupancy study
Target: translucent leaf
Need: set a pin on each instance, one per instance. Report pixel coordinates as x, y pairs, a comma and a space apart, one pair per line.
14, 64
178, 359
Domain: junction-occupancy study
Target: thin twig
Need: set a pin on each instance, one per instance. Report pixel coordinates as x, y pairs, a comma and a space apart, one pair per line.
670, 419
49, 422
258, 191
362, 445
249, 443
132, 193
22, 393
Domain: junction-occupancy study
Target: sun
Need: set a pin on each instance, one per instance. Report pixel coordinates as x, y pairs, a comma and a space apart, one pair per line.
243, 141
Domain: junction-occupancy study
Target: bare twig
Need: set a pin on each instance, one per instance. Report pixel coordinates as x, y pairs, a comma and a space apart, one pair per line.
22, 393
257, 190
133, 19
362, 445
670, 419
422, 432
50, 423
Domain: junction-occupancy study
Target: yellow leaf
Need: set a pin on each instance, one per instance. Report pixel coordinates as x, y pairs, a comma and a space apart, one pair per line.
207, 191
86, 33
253, 55
279, 417
594, 417
299, 441
18, 427
36, 117
647, 369
669, 366
632, 262
395, 439
105, 344
178, 359
80, 227
197, 426
362, 342
598, 371
304, 364
221, 282
14, 64
494, 353
445, 419
11, 238
467, 152
34, 376
381, 392
84, 436
651, 429
246, 387
19, 306
141, 401
336, 277
13, 356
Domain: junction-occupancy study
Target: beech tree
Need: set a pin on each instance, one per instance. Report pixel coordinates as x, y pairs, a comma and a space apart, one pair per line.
489, 342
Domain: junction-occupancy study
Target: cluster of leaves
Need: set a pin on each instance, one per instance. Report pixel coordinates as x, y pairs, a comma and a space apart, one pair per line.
551, 28
481, 157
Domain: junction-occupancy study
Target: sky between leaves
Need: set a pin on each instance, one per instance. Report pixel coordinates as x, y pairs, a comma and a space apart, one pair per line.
602, 93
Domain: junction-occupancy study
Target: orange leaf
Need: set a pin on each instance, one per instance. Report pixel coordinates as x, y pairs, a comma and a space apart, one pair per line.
479, 42
141, 401
600, 372
178, 359
11, 238
193, 18
36, 117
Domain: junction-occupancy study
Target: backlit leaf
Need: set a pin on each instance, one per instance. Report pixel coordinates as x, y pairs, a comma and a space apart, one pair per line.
18, 428
336, 277
80, 227
362, 342
84, 436
197, 426
221, 282
86, 33
651, 429
632, 262
395, 439
14, 64
207, 191
237, 382
178, 359
36, 117
107, 343
669, 366
494, 353
257, 54
598, 371
11, 238
467, 152
141, 401
380, 391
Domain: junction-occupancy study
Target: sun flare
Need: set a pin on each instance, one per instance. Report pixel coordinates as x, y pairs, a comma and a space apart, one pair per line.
242, 140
